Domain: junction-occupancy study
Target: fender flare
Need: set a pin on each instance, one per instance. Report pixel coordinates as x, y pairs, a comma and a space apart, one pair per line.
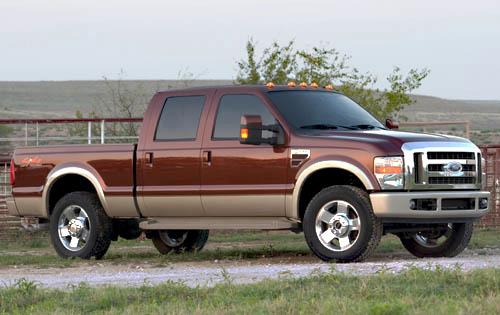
306, 172
85, 171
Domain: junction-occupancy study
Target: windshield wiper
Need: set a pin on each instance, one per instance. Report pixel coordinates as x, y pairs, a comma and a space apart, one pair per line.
319, 126
365, 127
328, 126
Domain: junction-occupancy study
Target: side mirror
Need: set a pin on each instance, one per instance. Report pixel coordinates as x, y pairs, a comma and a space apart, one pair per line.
391, 124
251, 129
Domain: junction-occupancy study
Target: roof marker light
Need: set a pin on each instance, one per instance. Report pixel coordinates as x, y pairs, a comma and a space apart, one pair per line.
329, 87
270, 85
314, 85
292, 84
303, 84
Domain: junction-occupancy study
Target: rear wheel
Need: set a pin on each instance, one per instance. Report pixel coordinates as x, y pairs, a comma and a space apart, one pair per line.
178, 241
339, 224
79, 227
446, 241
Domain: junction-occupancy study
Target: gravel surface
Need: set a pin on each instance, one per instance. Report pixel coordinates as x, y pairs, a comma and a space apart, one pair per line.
211, 273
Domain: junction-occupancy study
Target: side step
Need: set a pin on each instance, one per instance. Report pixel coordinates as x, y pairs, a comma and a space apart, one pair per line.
218, 223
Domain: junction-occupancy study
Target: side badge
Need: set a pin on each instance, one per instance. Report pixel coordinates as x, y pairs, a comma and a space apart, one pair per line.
31, 161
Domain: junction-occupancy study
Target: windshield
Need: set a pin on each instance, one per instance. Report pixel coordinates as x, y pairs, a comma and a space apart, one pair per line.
322, 110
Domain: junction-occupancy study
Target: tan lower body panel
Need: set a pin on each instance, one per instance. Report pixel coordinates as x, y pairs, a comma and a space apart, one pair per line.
121, 207
30, 206
219, 223
170, 206
244, 205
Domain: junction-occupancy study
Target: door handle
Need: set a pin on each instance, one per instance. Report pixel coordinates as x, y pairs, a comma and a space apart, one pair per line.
207, 158
149, 159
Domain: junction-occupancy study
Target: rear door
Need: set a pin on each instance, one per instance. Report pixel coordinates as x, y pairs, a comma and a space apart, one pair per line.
169, 162
237, 179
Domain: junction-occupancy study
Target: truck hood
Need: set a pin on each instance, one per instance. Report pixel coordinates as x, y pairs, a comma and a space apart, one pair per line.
388, 141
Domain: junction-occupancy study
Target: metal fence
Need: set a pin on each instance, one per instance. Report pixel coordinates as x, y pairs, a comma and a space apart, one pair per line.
492, 169
37, 132
8, 224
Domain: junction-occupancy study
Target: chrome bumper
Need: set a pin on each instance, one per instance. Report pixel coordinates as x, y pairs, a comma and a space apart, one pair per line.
11, 207
396, 205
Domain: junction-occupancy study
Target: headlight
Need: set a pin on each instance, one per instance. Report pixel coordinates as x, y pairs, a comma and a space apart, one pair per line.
389, 172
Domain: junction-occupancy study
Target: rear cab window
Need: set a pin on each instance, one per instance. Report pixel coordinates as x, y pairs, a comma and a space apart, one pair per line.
180, 118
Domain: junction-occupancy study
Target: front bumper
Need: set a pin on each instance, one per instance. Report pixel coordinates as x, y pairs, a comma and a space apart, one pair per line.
396, 205
11, 207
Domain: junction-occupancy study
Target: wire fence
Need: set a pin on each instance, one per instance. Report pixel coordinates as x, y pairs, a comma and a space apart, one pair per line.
37, 132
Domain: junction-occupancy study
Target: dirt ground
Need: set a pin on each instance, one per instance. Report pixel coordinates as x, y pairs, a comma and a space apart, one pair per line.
209, 273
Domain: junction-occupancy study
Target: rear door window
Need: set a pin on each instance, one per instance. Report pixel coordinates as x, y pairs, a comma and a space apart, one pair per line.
180, 118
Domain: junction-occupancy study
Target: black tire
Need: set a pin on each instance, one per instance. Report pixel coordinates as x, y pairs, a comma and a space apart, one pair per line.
367, 236
459, 235
100, 226
187, 240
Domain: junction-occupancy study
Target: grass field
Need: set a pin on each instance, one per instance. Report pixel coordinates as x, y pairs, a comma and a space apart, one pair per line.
31, 250
412, 292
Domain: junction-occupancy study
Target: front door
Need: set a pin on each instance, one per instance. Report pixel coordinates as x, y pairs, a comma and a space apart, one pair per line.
170, 162
237, 179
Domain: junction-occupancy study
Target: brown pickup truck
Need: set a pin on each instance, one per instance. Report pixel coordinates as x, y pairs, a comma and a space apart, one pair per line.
298, 158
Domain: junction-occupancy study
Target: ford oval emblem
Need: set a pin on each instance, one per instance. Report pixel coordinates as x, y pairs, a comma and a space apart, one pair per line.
452, 167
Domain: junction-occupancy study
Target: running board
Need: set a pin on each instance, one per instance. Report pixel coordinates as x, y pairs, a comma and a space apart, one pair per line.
218, 223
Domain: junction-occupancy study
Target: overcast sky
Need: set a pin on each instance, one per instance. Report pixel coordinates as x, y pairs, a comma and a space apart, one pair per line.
85, 40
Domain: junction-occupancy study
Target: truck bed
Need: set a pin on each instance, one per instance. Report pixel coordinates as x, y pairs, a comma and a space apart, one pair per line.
111, 164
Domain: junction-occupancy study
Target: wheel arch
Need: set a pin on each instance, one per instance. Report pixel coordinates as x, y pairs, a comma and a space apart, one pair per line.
338, 173
80, 176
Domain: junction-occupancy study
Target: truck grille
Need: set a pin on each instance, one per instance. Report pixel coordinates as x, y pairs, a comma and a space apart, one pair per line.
450, 155
445, 169
451, 180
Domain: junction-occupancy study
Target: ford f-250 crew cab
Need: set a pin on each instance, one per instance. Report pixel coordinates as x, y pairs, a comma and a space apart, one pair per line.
300, 157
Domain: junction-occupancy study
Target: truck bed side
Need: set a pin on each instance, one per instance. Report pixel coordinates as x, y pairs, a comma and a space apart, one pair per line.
43, 173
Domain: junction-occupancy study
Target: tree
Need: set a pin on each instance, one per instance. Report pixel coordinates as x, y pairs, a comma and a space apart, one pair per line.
5, 132
124, 99
324, 66
120, 100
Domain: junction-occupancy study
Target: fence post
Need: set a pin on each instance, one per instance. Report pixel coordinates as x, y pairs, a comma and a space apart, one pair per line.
26, 133
37, 134
102, 131
89, 135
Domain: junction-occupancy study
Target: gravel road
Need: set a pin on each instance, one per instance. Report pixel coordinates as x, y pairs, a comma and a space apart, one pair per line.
211, 273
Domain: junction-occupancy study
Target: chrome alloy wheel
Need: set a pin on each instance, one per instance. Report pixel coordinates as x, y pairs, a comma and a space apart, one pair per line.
433, 239
74, 228
338, 225
173, 238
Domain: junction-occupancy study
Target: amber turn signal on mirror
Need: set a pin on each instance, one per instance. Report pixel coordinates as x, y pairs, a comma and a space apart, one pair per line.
244, 133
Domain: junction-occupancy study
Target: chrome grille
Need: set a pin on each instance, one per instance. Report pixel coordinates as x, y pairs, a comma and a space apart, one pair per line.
450, 155
451, 180
442, 165
439, 167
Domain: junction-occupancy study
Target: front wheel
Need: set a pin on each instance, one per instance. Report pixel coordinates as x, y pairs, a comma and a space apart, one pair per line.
445, 241
339, 225
179, 241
